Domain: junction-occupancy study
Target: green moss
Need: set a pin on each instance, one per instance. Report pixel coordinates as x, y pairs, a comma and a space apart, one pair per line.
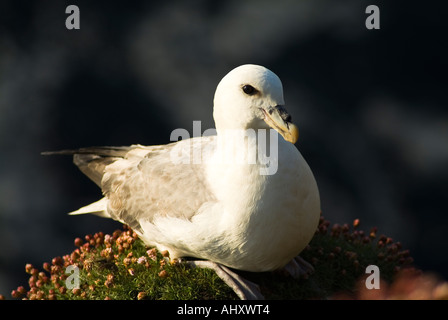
119, 266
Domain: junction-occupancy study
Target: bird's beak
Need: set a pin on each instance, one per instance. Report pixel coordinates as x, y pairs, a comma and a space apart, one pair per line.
279, 119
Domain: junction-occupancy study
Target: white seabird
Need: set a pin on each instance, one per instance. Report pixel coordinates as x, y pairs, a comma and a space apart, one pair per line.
238, 205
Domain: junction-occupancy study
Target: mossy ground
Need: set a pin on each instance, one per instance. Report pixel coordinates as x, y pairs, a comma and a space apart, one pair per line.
119, 266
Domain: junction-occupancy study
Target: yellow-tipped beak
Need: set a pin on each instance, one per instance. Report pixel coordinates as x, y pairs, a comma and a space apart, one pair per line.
279, 119
292, 135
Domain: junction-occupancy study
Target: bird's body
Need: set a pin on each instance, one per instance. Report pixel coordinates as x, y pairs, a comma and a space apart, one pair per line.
248, 201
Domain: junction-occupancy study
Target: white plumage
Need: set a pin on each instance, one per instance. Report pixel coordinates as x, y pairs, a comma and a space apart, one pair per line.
227, 208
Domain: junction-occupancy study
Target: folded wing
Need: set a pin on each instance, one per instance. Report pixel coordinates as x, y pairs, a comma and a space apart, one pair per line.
141, 182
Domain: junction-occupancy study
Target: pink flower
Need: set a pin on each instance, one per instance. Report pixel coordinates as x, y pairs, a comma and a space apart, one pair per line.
141, 260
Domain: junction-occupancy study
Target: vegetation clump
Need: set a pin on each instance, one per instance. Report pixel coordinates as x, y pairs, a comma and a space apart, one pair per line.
120, 266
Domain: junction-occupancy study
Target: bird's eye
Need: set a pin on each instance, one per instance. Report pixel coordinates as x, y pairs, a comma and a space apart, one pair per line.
248, 89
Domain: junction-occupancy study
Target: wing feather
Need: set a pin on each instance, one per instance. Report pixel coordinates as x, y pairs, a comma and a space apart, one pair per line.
141, 182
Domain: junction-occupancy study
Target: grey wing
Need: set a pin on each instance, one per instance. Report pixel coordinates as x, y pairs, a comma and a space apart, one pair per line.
142, 182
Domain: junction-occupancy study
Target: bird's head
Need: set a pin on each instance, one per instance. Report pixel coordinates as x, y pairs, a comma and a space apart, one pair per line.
251, 97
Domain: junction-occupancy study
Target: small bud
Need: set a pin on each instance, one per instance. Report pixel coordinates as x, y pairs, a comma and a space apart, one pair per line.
78, 242
76, 291
141, 295
107, 253
40, 295
85, 247
366, 239
165, 253
15, 294
57, 261
404, 253
350, 255
127, 261
321, 220
74, 256
21, 290
28, 268
392, 248
152, 254
163, 274
107, 239
46, 266
116, 234
323, 229
141, 260
32, 282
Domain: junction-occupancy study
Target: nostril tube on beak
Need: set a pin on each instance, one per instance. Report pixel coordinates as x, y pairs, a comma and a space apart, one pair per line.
283, 113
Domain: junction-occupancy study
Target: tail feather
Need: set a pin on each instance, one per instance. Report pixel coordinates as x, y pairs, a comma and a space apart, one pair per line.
100, 151
98, 208
92, 161
93, 166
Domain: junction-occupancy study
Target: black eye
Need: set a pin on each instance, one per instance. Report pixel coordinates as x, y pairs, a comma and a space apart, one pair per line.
248, 89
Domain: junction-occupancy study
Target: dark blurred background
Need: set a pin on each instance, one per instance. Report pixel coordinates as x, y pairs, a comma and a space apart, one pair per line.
371, 106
